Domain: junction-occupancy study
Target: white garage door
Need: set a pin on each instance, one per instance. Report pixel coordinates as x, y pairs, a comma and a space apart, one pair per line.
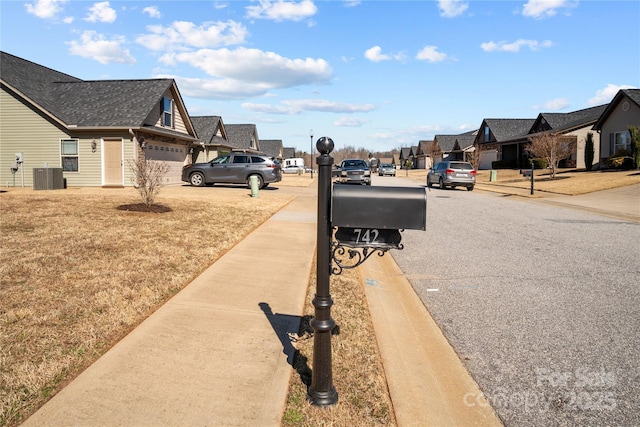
173, 154
487, 157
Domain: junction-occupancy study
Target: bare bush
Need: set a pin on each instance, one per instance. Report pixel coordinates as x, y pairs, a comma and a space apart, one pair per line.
148, 177
551, 147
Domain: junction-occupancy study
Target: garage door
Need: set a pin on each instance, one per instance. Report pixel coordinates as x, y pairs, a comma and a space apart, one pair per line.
173, 154
487, 157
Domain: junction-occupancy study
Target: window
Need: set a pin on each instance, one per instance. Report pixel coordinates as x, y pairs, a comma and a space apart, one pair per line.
221, 160
167, 112
69, 155
256, 159
486, 134
621, 141
241, 159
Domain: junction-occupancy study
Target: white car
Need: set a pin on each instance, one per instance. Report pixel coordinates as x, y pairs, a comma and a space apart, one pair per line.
293, 169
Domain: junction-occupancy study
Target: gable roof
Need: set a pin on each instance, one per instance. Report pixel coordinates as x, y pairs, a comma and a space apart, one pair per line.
288, 152
207, 130
406, 152
272, 147
632, 95
73, 102
445, 142
242, 135
503, 129
559, 122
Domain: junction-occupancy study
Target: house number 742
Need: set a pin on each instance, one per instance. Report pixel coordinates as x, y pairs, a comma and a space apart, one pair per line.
367, 235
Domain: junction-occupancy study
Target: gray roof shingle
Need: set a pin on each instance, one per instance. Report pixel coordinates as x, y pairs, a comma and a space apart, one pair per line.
241, 135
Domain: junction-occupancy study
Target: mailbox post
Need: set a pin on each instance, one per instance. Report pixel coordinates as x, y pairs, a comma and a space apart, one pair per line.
322, 392
366, 220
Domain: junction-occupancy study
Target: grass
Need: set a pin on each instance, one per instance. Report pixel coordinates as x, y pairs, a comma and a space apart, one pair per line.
570, 182
77, 272
358, 375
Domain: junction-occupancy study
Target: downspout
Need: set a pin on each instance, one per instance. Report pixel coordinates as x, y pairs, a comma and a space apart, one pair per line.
134, 139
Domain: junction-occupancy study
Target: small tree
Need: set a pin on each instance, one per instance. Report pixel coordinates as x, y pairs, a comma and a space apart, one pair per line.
551, 147
588, 151
474, 156
148, 177
634, 131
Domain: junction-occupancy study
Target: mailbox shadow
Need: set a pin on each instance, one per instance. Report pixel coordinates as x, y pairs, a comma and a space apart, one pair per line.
286, 326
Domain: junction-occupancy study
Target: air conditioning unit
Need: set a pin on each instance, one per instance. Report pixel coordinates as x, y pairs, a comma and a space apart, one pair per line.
47, 179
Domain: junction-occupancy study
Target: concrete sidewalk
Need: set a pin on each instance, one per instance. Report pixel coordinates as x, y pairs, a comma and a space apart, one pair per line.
217, 353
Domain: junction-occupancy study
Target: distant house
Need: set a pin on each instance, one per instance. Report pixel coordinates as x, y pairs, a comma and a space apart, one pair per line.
425, 150
91, 130
272, 147
613, 124
288, 152
243, 136
212, 139
509, 137
406, 155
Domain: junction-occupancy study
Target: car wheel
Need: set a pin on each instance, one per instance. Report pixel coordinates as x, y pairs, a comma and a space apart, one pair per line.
260, 181
197, 179
441, 183
265, 185
470, 188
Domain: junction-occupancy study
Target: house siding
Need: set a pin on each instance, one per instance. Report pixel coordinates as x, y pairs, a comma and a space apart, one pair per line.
618, 121
578, 154
155, 118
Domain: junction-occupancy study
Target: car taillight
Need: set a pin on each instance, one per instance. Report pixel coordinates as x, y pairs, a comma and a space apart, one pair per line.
473, 172
273, 166
449, 171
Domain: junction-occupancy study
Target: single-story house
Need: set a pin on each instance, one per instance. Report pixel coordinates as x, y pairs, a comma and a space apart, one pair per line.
272, 147
243, 136
212, 139
614, 122
407, 154
509, 137
91, 130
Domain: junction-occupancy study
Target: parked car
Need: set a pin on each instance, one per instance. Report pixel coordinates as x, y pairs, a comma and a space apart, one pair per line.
354, 171
293, 169
452, 174
386, 169
234, 168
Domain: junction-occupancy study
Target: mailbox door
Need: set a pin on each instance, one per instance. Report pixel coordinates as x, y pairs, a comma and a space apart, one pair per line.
379, 207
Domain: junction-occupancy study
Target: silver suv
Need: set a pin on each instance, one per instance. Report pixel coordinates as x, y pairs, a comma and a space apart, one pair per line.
452, 174
234, 168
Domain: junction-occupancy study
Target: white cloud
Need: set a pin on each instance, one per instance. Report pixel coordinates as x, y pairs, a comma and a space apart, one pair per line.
297, 106
540, 9
94, 46
431, 54
375, 54
556, 104
351, 3
353, 122
152, 11
282, 10
258, 70
605, 95
218, 88
45, 9
101, 12
515, 46
182, 34
452, 8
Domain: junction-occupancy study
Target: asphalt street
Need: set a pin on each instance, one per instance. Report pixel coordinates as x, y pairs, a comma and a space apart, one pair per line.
541, 303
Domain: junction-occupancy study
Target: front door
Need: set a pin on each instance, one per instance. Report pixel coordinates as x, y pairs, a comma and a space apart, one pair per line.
113, 163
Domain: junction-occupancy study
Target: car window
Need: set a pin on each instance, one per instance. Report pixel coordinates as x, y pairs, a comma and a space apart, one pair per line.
460, 165
438, 166
256, 159
221, 159
240, 159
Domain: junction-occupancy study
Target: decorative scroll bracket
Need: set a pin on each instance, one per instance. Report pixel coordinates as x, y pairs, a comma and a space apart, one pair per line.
353, 246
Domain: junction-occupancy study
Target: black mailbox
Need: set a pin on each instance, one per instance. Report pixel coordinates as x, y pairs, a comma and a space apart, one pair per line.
371, 207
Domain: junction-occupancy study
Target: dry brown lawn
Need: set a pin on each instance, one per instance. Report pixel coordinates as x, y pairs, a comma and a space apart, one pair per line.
77, 272
570, 182
358, 374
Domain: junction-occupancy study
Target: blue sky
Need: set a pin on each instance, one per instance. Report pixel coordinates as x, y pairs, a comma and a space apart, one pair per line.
372, 74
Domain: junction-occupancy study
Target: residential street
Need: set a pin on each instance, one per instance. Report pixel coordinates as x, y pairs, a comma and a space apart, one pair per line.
540, 302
